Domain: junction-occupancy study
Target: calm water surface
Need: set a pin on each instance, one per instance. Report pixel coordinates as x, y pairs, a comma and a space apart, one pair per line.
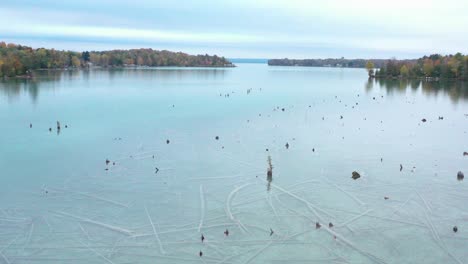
60, 202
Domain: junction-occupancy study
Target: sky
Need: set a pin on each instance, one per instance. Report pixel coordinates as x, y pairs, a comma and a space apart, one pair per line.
243, 28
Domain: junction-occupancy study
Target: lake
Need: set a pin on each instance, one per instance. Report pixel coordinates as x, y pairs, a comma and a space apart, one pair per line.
188, 151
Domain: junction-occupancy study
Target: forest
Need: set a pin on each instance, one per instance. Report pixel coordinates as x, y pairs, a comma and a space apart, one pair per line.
18, 60
435, 66
342, 62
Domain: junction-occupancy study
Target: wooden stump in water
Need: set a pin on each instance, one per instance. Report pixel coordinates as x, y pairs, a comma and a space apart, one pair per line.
460, 176
355, 175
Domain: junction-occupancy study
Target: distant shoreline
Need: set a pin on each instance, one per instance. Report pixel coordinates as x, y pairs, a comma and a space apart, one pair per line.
329, 63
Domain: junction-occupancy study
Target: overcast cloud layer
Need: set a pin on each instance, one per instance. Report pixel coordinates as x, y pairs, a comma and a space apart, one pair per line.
241, 28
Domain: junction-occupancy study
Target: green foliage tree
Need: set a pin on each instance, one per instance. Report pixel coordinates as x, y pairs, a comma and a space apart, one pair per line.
85, 56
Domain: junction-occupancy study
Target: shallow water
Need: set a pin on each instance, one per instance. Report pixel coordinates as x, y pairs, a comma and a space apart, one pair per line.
58, 203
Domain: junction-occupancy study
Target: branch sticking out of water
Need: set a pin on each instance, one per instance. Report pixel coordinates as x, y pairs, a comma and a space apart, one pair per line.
269, 173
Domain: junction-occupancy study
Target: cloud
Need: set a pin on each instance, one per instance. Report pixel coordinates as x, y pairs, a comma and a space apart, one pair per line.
270, 28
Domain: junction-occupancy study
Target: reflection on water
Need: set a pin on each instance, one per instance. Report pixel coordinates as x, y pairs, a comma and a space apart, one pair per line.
47, 79
455, 90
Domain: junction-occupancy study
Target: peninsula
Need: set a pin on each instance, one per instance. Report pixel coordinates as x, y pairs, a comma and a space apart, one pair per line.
432, 67
17, 60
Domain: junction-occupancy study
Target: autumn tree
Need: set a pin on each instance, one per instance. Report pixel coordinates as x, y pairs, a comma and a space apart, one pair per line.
370, 68
404, 72
428, 67
75, 62
454, 65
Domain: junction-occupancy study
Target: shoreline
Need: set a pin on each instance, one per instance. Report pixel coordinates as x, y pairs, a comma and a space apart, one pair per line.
426, 79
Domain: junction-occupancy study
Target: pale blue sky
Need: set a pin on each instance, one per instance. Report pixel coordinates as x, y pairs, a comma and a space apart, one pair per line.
243, 28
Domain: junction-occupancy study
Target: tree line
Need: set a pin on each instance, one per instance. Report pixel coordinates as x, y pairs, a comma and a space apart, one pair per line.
18, 60
342, 62
435, 66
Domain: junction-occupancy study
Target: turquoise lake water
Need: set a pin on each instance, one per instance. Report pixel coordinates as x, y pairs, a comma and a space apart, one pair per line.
61, 203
